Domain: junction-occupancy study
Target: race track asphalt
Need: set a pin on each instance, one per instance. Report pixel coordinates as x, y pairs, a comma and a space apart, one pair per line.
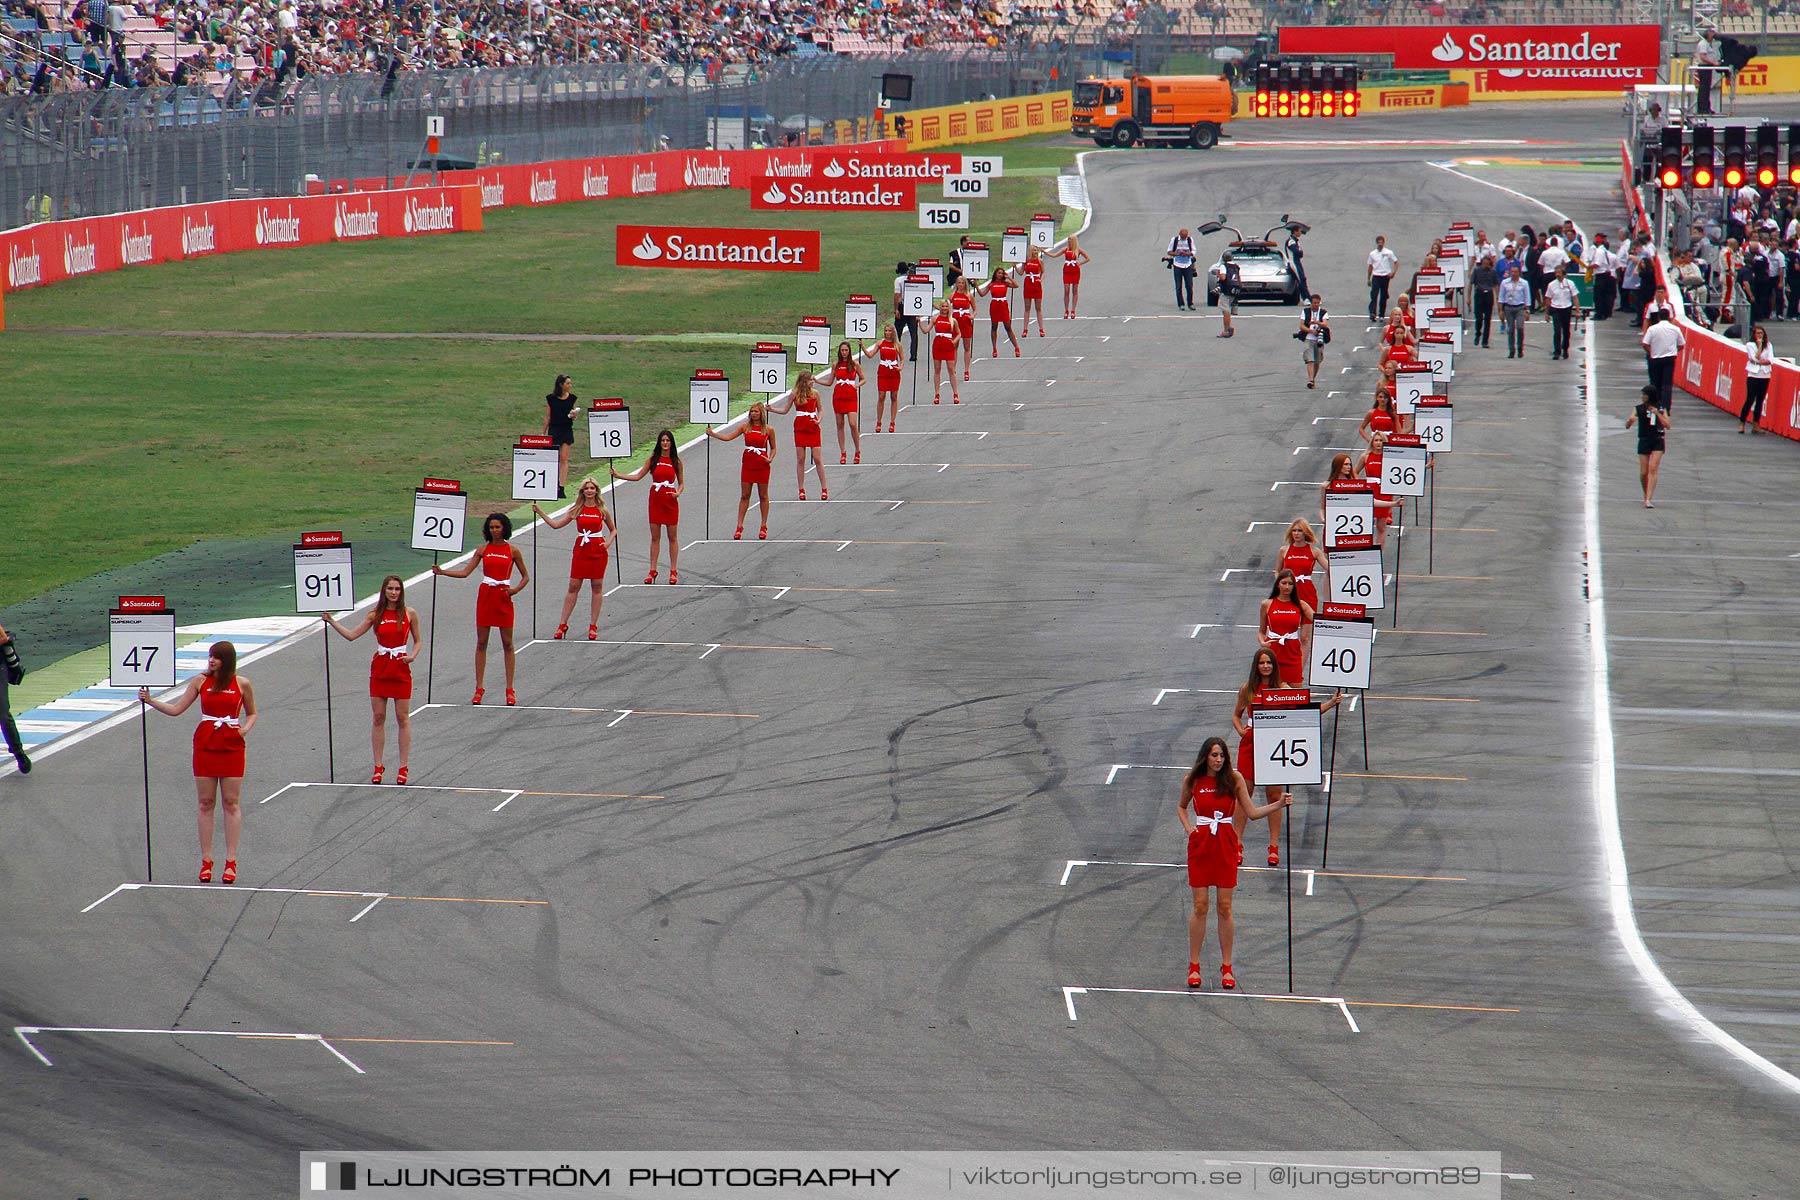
793, 868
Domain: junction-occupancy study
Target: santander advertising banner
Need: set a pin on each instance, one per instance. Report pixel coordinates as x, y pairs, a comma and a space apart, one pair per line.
711, 248
773, 194
1515, 57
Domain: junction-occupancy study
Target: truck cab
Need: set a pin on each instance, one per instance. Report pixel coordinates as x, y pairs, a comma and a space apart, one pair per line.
1153, 109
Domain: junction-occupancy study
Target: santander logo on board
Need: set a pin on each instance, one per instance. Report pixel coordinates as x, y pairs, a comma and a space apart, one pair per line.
775, 195
273, 230
348, 222
493, 195
643, 181
543, 191
199, 239
647, 250
594, 186
139, 249
23, 270
698, 176
428, 218
79, 257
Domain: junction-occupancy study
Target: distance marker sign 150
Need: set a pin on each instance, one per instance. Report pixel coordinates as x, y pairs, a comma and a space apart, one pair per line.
141, 643
324, 579
535, 464
1341, 653
943, 215
440, 512
609, 429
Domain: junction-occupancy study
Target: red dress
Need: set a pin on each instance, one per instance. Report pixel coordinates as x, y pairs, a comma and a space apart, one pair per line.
665, 508
493, 603
999, 307
943, 343
390, 677
756, 456
1033, 279
589, 558
1284, 633
218, 741
887, 366
846, 392
1246, 761
1071, 269
806, 423
1212, 850
1372, 473
1380, 420
962, 307
1300, 560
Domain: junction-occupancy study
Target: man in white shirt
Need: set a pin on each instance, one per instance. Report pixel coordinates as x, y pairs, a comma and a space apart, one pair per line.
1509, 242
1662, 341
1705, 70
1605, 266
1382, 265
1560, 295
1553, 256
1483, 247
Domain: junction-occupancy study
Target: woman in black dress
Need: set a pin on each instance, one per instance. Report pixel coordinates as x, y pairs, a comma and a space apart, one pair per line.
560, 407
1653, 425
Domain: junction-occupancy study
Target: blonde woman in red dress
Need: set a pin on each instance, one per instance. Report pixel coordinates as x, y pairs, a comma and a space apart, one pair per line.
594, 534
759, 456
809, 436
1073, 256
886, 354
1211, 795
397, 643
1031, 290
227, 714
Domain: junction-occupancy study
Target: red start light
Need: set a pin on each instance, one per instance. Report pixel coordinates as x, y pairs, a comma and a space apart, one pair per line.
1284, 97
1794, 175
1766, 177
1703, 178
1262, 97
1734, 177
1671, 178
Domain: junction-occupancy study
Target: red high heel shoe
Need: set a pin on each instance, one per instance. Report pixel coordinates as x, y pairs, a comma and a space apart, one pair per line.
955, 398
937, 397
763, 533
229, 874
1194, 980
965, 377
593, 633
1016, 353
1226, 979
671, 576
558, 636
857, 461
378, 770
803, 493
650, 578
401, 777
206, 870
842, 458
1274, 857
890, 427
511, 699
479, 693
824, 495
739, 535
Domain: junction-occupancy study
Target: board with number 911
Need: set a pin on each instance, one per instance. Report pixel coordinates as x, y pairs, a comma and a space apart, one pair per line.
1285, 746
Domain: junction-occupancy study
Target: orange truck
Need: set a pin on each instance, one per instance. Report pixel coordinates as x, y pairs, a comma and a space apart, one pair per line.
1169, 110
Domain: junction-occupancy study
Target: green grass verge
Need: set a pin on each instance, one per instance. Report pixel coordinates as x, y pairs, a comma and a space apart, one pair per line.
185, 464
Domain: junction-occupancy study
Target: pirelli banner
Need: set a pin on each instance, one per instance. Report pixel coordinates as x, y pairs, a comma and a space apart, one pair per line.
986, 120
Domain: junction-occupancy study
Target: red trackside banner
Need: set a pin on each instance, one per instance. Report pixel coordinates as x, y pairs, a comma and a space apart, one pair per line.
1515, 57
711, 248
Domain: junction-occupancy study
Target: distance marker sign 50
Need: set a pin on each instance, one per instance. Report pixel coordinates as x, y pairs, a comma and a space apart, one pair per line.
535, 461
324, 580
609, 429
440, 511
709, 396
141, 643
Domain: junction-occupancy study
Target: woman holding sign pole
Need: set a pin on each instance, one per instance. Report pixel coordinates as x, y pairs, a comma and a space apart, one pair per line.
1215, 796
962, 307
227, 714
594, 531
846, 399
886, 354
1386, 507
943, 355
1031, 288
1073, 256
1265, 676
666, 484
1300, 554
390, 671
1284, 631
999, 311
493, 602
803, 402
759, 455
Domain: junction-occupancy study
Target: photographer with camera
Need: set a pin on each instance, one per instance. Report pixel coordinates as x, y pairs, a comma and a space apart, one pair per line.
1313, 335
1180, 259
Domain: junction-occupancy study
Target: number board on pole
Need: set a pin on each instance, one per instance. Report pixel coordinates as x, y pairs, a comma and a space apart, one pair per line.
609, 429
1341, 651
324, 580
1435, 349
1455, 268
990, 165
933, 270
1412, 380
535, 460
915, 296
943, 215
1013, 244
1428, 291
965, 187
1432, 423
1349, 512
1356, 574
709, 396
1043, 230
141, 643
1446, 320
812, 344
859, 317
975, 260
1433, 277
768, 367
440, 511
1284, 739
1403, 466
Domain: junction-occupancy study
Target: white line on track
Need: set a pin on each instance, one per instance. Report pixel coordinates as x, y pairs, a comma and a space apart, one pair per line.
1616, 886
23, 1032
1337, 1002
